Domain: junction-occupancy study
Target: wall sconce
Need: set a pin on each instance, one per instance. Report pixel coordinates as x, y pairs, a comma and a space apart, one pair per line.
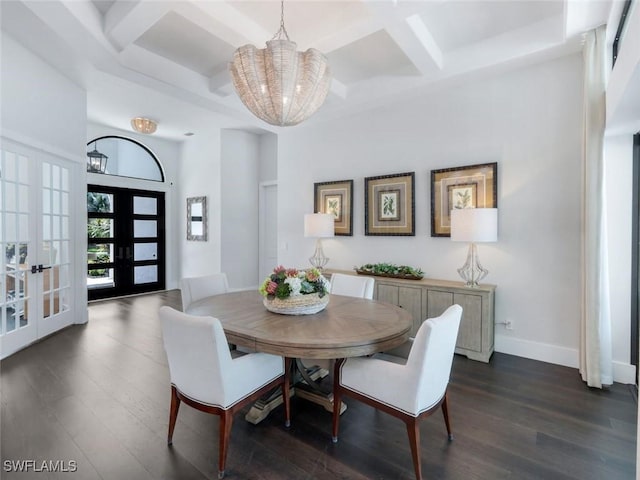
96, 161
474, 225
144, 125
319, 225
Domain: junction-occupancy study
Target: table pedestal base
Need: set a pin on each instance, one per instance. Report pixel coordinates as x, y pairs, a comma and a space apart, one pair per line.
325, 401
304, 386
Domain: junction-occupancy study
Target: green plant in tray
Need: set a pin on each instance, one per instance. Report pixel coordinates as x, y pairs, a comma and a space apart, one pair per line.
390, 270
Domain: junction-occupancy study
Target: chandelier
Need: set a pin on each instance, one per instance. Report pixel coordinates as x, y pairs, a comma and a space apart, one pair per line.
143, 125
278, 84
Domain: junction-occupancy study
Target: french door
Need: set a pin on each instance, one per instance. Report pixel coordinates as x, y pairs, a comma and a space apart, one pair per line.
126, 241
36, 225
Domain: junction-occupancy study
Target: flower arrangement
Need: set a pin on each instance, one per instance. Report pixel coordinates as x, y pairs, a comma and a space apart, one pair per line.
289, 282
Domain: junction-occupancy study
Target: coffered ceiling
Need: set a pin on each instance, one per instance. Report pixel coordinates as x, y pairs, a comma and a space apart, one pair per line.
377, 50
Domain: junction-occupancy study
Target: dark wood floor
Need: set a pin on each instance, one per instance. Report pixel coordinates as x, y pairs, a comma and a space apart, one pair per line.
98, 394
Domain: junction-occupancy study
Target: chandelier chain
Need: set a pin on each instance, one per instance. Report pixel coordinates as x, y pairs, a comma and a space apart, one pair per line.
282, 29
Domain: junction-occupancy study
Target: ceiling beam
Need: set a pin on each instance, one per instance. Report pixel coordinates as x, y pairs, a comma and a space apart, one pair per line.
125, 22
410, 34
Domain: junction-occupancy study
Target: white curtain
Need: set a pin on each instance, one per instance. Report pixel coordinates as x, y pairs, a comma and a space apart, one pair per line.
596, 365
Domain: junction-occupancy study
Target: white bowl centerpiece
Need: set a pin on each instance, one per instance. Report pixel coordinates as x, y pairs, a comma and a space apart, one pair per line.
295, 292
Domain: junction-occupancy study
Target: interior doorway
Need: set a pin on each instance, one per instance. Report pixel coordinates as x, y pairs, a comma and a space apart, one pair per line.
635, 257
125, 241
268, 228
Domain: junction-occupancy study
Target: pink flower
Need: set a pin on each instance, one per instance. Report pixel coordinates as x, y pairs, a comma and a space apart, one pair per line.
312, 276
292, 272
271, 288
279, 269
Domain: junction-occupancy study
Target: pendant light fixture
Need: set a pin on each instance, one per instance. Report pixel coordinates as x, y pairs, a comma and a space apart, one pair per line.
96, 161
278, 84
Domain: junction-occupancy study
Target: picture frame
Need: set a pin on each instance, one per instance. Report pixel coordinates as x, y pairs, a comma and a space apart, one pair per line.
197, 227
472, 186
336, 197
389, 205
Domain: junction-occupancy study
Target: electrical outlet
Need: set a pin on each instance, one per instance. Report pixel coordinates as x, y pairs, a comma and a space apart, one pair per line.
508, 325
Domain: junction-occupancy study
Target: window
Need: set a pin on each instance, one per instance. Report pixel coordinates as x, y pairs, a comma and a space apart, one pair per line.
127, 158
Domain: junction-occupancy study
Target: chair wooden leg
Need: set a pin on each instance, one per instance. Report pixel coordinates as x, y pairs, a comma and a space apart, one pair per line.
173, 413
337, 399
445, 414
226, 421
285, 392
414, 442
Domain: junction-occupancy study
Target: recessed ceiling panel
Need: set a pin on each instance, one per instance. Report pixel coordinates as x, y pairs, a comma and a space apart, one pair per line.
372, 56
103, 5
306, 22
181, 41
455, 24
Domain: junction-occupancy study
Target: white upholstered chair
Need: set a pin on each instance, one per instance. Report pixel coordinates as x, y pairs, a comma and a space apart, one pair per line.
193, 289
205, 377
349, 286
408, 391
352, 285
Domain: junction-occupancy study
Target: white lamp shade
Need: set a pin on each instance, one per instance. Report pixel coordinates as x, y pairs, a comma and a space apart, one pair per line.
474, 225
319, 225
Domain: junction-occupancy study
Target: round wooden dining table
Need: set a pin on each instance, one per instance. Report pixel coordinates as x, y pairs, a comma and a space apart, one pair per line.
347, 327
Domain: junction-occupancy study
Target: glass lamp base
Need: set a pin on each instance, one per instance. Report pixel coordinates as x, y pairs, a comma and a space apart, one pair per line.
472, 272
318, 260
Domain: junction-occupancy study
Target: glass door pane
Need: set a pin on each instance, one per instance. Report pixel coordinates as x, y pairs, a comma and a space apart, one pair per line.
56, 238
100, 246
54, 261
17, 226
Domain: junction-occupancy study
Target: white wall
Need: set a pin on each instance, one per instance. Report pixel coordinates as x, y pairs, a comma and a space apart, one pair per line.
200, 176
43, 109
168, 153
268, 164
240, 158
529, 121
618, 157
41, 103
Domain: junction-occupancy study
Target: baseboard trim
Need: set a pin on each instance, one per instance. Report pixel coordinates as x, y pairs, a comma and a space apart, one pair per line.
568, 357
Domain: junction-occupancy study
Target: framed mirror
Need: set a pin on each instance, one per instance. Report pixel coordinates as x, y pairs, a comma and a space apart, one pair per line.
197, 219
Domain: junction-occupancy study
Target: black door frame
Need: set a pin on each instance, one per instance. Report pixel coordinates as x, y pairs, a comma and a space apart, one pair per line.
123, 242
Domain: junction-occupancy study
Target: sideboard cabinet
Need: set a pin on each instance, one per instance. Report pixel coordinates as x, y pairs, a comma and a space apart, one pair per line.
428, 298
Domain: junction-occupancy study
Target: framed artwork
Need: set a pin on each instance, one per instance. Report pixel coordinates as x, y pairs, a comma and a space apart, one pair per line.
197, 219
474, 186
336, 198
389, 202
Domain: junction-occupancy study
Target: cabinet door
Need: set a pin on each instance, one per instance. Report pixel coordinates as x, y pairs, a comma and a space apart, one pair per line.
409, 298
387, 293
470, 333
438, 302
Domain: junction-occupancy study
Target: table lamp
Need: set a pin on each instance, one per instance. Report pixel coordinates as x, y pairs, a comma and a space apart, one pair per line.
318, 225
474, 225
